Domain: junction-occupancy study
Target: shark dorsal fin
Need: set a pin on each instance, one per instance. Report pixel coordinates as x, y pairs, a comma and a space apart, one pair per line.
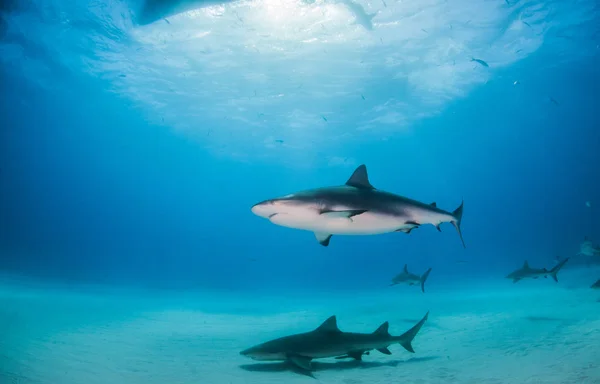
383, 329
329, 325
405, 268
434, 204
360, 178
525, 265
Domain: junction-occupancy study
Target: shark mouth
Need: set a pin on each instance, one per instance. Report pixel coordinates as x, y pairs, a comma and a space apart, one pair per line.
272, 216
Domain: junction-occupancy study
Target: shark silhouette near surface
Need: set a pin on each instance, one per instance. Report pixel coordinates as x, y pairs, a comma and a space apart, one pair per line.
329, 341
526, 272
408, 278
355, 208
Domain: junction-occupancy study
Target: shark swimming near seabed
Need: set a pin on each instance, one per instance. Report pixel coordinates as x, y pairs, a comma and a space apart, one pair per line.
406, 277
526, 272
356, 208
329, 341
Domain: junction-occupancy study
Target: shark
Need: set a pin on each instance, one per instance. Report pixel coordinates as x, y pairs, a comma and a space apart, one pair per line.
588, 249
534, 273
328, 340
355, 208
596, 285
154, 10
406, 277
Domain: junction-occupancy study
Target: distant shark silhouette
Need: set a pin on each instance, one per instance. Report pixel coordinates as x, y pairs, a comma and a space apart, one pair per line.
406, 277
596, 285
329, 341
154, 10
526, 272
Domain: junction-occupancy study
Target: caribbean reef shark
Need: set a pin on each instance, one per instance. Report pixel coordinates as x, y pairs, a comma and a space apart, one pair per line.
329, 341
356, 208
154, 10
411, 279
534, 273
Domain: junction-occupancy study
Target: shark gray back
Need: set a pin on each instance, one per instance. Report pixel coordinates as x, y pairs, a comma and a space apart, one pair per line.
329, 341
355, 208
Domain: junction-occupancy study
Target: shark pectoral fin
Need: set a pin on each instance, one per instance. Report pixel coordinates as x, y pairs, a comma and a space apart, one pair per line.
348, 214
356, 355
405, 230
302, 362
385, 351
323, 238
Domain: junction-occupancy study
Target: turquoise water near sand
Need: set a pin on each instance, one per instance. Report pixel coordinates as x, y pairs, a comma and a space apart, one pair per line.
133, 147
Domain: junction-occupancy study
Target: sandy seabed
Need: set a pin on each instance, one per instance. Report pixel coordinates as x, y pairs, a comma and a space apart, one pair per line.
536, 331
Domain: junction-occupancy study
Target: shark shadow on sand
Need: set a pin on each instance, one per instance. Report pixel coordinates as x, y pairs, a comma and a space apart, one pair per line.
286, 366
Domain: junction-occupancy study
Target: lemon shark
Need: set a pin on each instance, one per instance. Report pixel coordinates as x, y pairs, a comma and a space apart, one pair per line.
406, 277
355, 208
534, 273
329, 341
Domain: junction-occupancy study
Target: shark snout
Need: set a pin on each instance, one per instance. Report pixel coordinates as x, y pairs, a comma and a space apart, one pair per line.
264, 209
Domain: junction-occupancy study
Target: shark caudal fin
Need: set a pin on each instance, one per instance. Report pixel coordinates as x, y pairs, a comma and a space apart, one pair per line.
424, 279
554, 271
407, 337
456, 222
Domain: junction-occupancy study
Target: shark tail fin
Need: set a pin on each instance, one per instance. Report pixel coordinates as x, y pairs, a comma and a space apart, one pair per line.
407, 337
424, 279
554, 271
456, 222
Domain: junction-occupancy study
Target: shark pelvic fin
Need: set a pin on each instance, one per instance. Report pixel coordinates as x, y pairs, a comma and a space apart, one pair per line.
360, 178
323, 238
329, 325
438, 228
383, 329
385, 351
302, 362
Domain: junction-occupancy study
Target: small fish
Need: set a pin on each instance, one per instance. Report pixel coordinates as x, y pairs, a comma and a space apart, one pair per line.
588, 204
167, 21
480, 62
324, 118
516, 82
363, 97
527, 24
553, 100
122, 75
279, 141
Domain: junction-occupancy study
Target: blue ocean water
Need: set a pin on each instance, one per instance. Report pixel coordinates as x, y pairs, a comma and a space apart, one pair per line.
131, 154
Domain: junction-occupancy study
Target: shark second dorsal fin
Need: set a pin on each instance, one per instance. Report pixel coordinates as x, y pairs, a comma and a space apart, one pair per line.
525, 265
405, 268
360, 178
329, 325
383, 329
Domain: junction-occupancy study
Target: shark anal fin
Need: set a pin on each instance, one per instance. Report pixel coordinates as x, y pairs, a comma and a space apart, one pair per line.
385, 351
348, 214
302, 362
323, 238
360, 178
